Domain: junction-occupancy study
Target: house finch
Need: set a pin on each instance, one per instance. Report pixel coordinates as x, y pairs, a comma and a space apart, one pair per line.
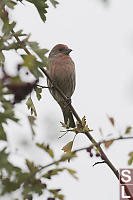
62, 72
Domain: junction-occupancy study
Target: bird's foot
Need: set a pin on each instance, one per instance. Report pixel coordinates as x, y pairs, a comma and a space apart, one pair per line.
53, 84
68, 101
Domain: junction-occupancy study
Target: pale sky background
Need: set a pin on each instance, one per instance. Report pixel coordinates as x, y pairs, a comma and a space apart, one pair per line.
101, 37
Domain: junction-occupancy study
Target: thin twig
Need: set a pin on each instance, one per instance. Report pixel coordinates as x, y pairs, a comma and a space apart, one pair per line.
98, 163
102, 142
82, 149
42, 86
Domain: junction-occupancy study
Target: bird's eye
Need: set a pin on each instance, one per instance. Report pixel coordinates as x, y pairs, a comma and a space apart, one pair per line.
61, 49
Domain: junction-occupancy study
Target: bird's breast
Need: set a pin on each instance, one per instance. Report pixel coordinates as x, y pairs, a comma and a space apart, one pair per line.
62, 71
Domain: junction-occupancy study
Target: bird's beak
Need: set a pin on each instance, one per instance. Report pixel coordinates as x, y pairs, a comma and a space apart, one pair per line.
67, 51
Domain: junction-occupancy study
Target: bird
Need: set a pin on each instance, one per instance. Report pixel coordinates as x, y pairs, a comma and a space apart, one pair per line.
61, 69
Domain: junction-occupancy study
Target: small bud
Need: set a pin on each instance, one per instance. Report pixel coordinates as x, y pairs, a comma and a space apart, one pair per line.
97, 154
102, 157
91, 154
88, 150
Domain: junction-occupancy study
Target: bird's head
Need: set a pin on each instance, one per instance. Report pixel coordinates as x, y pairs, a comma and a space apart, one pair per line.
60, 49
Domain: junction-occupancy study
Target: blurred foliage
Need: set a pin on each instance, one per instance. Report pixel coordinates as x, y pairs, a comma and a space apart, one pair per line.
13, 90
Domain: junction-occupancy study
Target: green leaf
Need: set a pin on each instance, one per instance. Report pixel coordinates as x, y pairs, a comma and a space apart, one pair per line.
86, 129
10, 3
31, 106
8, 112
40, 52
41, 7
83, 121
31, 186
33, 65
38, 93
9, 186
30, 165
29, 61
54, 3
2, 133
130, 161
53, 172
7, 28
46, 148
56, 194
19, 33
68, 147
72, 173
2, 57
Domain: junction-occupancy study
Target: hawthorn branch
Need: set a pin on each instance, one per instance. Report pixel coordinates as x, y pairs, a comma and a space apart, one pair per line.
88, 135
82, 149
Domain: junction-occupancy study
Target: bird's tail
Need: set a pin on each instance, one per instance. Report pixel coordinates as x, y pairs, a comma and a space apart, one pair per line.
68, 116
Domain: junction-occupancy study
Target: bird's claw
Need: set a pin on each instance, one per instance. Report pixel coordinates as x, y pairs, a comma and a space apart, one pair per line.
68, 101
53, 84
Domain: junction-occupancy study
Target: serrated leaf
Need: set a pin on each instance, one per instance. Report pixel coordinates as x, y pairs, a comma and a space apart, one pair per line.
46, 148
29, 61
68, 147
38, 93
31, 106
30, 165
41, 7
108, 143
40, 52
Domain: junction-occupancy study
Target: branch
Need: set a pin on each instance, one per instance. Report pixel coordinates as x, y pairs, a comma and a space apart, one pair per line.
81, 149
97, 145
102, 142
